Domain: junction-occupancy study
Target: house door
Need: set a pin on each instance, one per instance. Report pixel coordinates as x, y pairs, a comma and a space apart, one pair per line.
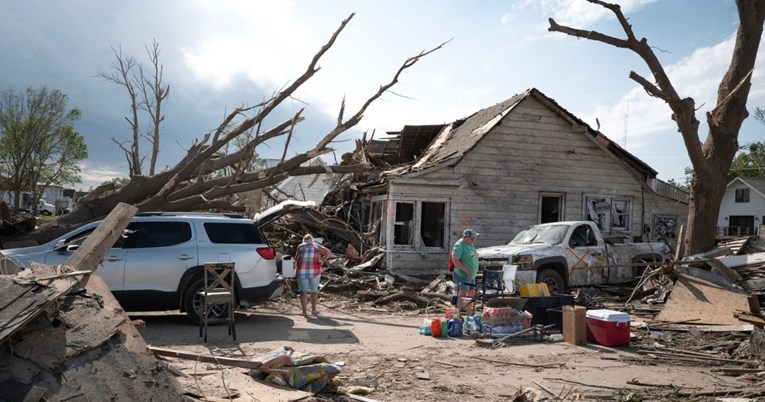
741, 225
551, 208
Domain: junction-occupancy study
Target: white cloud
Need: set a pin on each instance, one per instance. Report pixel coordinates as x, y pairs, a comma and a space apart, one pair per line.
269, 45
574, 13
696, 76
95, 174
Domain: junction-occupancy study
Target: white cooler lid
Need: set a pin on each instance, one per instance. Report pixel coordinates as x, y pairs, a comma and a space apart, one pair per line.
608, 315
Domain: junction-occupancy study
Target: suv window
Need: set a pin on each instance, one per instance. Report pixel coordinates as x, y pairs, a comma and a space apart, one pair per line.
156, 234
234, 233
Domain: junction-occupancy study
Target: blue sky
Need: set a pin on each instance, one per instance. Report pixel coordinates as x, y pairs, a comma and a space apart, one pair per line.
219, 55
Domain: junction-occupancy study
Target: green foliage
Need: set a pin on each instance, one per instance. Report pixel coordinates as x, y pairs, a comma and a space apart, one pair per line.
685, 183
38, 144
750, 161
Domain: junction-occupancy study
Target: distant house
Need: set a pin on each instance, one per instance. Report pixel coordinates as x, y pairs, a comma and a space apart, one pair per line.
523, 161
742, 209
303, 188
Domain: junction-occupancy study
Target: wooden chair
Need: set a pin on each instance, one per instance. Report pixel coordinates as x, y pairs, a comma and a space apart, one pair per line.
218, 297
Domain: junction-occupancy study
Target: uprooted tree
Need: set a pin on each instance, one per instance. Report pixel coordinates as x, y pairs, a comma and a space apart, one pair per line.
711, 159
206, 177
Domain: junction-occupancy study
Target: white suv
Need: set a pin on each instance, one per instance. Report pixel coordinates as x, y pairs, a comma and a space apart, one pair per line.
158, 263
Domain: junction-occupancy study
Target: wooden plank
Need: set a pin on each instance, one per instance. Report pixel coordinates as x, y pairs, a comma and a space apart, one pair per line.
88, 256
693, 298
226, 361
433, 284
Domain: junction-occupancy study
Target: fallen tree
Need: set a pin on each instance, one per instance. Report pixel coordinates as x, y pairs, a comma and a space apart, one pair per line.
205, 177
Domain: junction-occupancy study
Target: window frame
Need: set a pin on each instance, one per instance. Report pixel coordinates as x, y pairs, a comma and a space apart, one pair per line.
389, 214
561, 205
606, 212
744, 195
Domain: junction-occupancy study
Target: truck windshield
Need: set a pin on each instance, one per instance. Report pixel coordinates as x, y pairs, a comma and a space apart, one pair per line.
551, 234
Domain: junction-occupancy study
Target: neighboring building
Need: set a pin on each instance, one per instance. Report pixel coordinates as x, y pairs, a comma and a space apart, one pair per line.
742, 209
53, 194
303, 188
520, 162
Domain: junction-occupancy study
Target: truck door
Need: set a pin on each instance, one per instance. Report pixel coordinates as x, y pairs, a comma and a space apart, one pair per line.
582, 254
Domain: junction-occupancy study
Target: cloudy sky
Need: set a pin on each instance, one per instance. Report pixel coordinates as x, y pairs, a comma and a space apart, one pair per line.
219, 55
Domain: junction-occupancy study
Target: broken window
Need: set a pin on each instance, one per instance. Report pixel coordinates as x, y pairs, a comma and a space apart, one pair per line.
403, 226
432, 223
609, 214
621, 215
599, 211
742, 195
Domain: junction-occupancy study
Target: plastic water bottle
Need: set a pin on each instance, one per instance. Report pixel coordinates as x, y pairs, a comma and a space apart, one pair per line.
444, 329
455, 328
469, 327
425, 327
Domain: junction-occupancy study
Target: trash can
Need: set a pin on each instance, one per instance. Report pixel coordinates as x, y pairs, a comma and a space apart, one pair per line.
288, 266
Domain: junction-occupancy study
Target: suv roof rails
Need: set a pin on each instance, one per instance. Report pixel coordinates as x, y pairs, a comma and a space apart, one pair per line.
161, 213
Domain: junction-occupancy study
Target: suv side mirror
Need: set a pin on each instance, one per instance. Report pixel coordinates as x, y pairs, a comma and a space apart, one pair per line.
60, 245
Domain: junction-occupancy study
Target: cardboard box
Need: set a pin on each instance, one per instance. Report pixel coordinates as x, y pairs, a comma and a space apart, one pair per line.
608, 327
575, 325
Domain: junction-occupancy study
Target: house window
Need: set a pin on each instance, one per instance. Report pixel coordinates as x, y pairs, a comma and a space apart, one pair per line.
551, 208
609, 214
742, 195
403, 226
621, 215
432, 229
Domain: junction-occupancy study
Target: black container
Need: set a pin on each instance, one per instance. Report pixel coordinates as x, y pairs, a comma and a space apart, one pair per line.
555, 316
538, 307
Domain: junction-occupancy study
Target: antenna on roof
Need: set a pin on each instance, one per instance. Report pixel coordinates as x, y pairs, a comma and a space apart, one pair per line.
626, 117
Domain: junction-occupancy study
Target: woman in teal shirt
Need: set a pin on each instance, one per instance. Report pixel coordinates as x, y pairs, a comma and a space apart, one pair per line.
465, 259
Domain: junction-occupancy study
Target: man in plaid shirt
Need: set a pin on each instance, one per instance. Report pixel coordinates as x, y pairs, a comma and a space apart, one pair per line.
308, 261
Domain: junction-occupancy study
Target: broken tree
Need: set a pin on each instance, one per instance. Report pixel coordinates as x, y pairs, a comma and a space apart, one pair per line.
711, 159
197, 182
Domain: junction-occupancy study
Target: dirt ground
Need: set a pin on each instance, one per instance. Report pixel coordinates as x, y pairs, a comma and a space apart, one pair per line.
384, 351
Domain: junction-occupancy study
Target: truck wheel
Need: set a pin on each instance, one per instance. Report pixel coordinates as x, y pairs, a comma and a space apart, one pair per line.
192, 303
552, 278
45, 213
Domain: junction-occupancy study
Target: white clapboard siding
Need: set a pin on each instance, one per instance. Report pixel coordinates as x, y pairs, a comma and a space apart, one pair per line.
533, 150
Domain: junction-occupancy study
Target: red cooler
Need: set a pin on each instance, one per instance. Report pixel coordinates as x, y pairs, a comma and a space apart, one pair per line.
608, 327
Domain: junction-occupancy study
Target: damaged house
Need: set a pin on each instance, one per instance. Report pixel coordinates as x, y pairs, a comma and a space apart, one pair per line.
518, 163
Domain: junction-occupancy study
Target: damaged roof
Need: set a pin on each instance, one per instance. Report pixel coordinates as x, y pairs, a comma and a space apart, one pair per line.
460, 137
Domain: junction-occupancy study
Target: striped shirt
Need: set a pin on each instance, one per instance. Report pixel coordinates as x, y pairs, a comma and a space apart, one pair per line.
307, 260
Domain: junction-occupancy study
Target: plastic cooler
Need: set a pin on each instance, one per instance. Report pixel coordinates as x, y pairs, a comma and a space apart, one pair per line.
608, 327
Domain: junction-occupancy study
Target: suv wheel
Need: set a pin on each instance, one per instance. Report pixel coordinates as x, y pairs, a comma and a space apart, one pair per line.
192, 303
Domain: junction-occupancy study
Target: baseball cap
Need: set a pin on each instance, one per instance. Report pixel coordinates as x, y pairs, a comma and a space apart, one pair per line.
470, 233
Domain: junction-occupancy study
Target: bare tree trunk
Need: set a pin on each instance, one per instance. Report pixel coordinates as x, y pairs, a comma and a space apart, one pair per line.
123, 75
154, 93
706, 194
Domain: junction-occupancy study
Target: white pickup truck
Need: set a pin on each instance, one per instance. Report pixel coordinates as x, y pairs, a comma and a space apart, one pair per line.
563, 254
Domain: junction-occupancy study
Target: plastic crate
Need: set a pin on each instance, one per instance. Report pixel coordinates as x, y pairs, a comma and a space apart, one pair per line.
538, 307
